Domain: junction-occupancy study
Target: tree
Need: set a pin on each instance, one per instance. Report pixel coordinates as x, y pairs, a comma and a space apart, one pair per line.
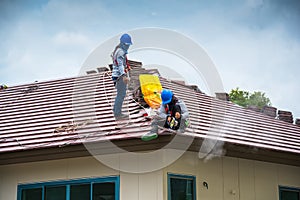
239, 97
245, 98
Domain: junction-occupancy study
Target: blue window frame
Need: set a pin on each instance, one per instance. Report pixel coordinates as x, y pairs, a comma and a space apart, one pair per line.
289, 193
104, 188
181, 187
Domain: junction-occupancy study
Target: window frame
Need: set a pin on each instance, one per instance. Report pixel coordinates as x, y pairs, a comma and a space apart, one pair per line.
182, 176
294, 189
68, 183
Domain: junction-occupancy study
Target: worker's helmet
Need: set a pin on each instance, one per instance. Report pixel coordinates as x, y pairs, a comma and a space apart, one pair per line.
166, 96
126, 39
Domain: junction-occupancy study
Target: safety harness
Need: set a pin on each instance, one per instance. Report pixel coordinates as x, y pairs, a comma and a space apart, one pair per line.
115, 62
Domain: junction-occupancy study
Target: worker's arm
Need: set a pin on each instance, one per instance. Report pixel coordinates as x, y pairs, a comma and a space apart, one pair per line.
184, 111
162, 112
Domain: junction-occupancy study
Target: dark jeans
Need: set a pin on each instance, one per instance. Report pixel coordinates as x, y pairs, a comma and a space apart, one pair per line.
121, 93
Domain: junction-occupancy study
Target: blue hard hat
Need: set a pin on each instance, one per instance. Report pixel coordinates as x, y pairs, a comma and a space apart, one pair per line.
126, 39
166, 96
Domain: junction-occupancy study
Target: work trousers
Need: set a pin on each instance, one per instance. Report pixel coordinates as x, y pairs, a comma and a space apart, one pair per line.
121, 87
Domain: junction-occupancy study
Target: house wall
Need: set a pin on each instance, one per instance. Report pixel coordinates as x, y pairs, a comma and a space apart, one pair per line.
227, 178
234, 178
145, 186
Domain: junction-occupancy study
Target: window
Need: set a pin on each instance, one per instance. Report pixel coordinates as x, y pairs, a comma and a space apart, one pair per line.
181, 187
106, 188
55, 192
288, 193
32, 194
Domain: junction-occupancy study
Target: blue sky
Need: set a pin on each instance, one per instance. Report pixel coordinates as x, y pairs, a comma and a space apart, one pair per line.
255, 44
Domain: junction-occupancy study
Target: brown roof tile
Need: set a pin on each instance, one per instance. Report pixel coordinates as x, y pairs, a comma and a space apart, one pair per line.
75, 110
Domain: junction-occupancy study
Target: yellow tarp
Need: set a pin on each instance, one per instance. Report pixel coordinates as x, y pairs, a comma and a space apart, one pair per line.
151, 89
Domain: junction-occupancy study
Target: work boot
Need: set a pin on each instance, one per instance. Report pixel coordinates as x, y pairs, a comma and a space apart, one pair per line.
181, 130
149, 136
122, 116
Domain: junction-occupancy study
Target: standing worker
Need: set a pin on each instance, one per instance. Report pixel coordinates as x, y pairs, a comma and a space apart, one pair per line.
172, 114
120, 74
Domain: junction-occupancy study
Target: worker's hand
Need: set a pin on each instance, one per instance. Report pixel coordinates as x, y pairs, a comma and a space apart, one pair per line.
126, 79
127, 69
177, 115
169, 118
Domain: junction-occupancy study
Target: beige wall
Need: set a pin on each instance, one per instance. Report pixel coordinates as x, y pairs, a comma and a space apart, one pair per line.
227, 178
234, 178
140, 186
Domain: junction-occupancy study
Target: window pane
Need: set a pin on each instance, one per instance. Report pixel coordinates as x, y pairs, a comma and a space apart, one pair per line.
55, 193
80, 192
32, 194
104, 191
289, 195
181, 189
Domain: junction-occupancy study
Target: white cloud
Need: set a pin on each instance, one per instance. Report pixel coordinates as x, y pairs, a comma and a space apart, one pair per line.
252, 55
71, 39
250, 42
76, 15
265, 60
51, 42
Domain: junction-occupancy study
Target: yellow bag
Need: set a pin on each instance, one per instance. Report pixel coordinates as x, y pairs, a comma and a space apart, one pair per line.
151, 89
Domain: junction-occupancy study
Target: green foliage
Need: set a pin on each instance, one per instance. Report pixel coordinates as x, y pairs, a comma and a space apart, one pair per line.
239, 97
245, 98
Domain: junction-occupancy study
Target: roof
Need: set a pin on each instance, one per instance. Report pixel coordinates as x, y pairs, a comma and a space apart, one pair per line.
72, 111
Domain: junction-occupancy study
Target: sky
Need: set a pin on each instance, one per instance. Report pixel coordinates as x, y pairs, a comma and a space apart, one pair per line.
254, 44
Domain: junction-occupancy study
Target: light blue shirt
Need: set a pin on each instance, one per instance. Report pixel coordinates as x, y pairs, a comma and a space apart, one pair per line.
119, 60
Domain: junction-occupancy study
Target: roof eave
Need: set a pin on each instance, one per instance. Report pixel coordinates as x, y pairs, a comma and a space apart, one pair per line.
137, 145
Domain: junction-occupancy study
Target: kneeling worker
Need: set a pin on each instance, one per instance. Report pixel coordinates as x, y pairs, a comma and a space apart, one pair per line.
172, 114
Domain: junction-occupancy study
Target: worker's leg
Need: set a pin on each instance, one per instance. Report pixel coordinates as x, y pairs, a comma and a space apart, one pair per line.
183, 125
157, 122
153, 133
121, 93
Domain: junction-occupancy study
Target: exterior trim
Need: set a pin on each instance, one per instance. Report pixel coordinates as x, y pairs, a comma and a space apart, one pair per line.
181, 176
293, 189
91, 181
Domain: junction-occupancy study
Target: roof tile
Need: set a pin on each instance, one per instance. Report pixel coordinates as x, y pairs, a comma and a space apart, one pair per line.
79, 109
